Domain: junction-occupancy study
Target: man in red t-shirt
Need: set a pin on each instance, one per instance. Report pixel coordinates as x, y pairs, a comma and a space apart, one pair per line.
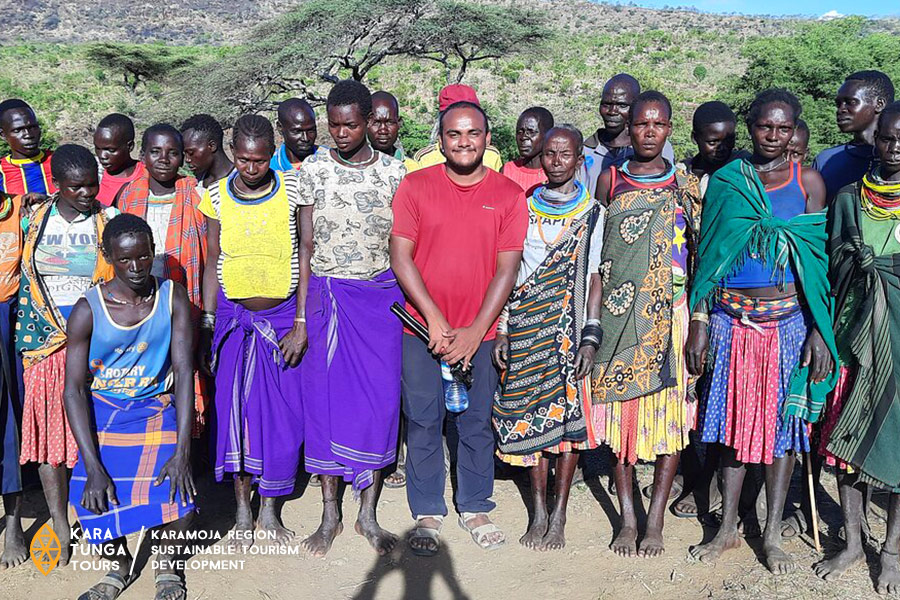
456, 245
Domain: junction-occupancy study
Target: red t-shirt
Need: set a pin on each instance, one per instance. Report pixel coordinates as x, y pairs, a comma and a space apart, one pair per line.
458, 232
528, 179
111, 184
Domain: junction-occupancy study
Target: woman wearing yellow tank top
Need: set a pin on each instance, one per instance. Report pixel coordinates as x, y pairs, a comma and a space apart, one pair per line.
254, 330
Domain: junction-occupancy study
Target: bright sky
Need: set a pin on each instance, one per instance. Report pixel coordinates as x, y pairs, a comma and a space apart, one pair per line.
781, 7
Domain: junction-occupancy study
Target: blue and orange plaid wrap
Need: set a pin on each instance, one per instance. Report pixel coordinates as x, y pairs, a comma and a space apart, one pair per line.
136, 437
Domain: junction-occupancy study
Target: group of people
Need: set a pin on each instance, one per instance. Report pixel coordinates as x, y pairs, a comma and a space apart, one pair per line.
728, 308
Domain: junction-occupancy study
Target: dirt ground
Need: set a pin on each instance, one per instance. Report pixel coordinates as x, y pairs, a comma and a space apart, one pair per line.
584, 570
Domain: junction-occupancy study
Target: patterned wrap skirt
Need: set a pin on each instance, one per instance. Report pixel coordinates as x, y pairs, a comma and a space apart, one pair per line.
754, 346
657, 424
836, 401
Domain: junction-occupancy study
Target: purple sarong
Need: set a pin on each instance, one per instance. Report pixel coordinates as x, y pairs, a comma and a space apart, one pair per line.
259, 416
351, 377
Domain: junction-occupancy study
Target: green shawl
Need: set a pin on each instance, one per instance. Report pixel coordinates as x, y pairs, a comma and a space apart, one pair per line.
866, 432
737, 222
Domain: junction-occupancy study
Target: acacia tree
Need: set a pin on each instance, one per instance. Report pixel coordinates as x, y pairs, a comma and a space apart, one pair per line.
463, 33
139, 63
323, 40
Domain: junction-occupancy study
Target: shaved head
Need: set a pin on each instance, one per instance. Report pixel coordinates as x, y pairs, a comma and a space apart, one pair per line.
570, 132
291, 106
388, 98
624, 80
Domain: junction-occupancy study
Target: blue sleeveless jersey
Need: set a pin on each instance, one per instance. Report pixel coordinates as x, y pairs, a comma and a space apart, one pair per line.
132, 362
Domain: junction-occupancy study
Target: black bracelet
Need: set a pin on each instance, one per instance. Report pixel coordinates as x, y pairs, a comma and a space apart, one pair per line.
591, 335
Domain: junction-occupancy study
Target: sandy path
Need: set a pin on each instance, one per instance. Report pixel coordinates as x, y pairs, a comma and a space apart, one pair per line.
584, 570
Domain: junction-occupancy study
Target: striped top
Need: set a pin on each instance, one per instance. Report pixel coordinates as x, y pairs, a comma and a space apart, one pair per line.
258, 239
26, 175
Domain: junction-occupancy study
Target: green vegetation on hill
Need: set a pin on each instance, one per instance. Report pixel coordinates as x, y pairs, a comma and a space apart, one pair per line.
541, 58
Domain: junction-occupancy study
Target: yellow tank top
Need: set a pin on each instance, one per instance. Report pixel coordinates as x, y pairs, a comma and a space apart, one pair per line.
258, 238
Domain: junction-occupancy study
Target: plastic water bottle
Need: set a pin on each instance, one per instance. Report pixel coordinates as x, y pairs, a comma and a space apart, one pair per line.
456, 397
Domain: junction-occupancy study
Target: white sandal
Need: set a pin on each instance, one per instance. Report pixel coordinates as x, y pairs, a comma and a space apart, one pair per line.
480, 534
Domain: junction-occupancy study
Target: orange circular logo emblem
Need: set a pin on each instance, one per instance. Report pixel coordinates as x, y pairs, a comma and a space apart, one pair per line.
45, 549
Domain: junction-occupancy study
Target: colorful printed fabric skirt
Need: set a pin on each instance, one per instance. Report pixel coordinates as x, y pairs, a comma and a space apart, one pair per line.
660, 423
754, 346
46, 436
595, 423
836, 400
135, 439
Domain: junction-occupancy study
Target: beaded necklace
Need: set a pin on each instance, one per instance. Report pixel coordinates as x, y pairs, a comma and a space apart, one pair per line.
880, 198
549, 209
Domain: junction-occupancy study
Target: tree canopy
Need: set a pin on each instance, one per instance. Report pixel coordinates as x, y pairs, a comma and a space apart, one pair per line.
812, 64
140, 63
321, 41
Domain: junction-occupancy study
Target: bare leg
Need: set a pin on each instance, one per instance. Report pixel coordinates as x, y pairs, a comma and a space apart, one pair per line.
538, 476
115, 551
851, 494
167, 563
270, 522
889, 577
367, 523
319, 543
778, 478
55, 481
666, 466
15, 550
625, 543
727, 538
242, 537
555, 538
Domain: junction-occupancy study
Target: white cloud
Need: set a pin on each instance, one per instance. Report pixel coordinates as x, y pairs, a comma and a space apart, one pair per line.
831, 14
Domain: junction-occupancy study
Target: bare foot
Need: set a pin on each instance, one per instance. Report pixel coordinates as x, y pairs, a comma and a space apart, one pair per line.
555, 538
64, 533
269, 521
652, 545
15, 550
319, 543
889, 577
778, 561
381, 539
535, 534
836, 566
241, 537
625, 544
713, 549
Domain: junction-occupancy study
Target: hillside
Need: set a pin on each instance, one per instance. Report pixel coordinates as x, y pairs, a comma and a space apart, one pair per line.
691, 56
221, 21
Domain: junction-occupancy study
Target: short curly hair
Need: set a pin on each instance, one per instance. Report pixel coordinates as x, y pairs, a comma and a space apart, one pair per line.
118, 121
877, 85
772, 96
124, 224
348, 92
71, 158
164, 128
205, 124
891, 111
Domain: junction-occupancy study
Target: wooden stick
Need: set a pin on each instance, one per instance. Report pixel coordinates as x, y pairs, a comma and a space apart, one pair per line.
813, 510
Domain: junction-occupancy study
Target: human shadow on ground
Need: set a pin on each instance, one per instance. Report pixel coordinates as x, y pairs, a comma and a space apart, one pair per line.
419, 574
